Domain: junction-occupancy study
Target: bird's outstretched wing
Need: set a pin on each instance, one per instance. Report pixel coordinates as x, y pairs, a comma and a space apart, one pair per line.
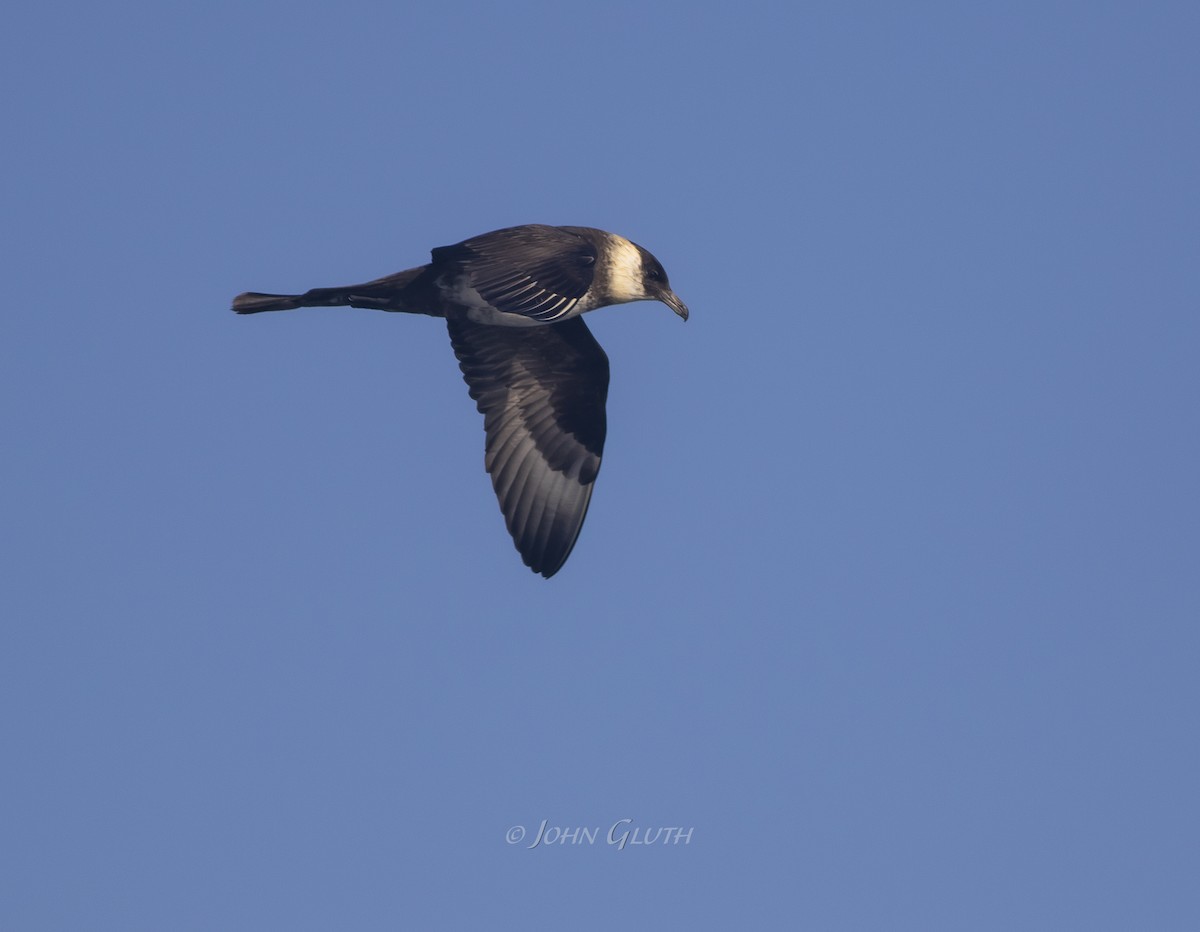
539, 271
541, 391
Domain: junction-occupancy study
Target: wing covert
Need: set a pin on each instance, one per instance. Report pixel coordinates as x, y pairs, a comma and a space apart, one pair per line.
535, 270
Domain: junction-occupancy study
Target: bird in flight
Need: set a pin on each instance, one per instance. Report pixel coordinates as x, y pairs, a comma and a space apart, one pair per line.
512, 300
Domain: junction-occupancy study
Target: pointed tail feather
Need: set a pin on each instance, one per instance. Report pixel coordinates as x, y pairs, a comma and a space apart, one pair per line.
384, 294
252, 302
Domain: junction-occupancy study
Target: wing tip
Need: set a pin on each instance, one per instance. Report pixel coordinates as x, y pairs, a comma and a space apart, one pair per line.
547, 553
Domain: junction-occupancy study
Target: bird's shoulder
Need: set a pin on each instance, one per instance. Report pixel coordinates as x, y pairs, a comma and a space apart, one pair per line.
534, 270
532, 244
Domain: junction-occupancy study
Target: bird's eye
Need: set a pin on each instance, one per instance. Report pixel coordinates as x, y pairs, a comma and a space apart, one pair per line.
653, 274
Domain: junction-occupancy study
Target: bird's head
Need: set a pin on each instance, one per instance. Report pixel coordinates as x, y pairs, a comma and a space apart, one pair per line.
656, 286
635, 275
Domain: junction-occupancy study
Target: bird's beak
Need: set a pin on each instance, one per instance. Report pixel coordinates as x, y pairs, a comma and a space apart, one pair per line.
671, 300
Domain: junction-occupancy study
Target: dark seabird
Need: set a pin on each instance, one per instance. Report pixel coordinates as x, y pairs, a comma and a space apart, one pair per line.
512, 300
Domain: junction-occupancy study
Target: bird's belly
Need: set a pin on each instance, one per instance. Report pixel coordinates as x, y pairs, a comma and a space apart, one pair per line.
486, 314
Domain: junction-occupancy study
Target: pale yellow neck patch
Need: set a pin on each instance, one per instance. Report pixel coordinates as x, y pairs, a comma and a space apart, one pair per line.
626, 282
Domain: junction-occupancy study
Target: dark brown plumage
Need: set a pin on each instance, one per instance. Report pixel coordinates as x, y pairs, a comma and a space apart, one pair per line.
512, 300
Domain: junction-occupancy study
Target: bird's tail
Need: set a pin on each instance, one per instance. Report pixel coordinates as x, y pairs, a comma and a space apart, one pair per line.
253, 302
386, 294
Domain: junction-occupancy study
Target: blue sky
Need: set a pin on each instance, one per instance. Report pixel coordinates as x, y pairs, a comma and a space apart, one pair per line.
889, 587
